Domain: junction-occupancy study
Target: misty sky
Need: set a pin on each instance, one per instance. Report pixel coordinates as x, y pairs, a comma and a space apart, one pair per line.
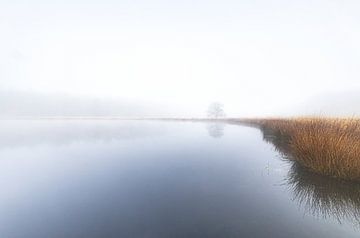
254, 56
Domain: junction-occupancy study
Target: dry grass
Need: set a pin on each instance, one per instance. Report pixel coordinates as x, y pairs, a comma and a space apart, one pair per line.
329, 146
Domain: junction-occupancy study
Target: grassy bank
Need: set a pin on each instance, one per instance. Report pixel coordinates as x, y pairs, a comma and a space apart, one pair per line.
327, 146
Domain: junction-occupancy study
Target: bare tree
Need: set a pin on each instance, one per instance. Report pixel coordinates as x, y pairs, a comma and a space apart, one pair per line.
216, 110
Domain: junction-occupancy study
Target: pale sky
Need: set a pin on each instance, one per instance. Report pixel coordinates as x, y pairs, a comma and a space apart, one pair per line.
256, 57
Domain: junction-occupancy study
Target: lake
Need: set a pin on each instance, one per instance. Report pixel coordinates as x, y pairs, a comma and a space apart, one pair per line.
154, 179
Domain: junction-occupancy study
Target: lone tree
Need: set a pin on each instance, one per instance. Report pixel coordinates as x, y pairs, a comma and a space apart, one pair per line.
216, 110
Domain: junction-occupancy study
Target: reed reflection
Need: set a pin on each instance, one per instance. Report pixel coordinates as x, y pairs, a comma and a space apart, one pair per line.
318, 195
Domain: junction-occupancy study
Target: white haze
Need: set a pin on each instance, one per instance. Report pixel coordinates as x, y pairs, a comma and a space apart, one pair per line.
256, 57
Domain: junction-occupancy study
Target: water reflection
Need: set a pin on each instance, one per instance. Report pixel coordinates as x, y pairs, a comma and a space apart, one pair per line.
318, 195
155, 179
215, 130
279, 141
323, 196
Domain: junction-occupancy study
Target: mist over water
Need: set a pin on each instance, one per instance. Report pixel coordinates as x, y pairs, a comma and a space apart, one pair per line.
20, 104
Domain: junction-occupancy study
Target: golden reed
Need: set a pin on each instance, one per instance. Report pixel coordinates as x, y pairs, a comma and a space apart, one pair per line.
329, 146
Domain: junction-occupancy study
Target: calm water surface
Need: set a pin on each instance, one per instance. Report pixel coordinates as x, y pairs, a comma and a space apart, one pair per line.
162, 179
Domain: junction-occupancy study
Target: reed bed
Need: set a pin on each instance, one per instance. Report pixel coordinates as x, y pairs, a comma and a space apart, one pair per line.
329, 146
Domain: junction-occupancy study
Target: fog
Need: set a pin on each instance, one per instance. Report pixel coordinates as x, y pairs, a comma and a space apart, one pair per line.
19, 104
173, 58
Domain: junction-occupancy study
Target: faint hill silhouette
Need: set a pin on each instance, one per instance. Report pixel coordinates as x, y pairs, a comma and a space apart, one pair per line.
27, 104
342, 103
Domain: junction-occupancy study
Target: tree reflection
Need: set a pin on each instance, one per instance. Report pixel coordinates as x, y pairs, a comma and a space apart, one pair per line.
215, 130
319, 195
